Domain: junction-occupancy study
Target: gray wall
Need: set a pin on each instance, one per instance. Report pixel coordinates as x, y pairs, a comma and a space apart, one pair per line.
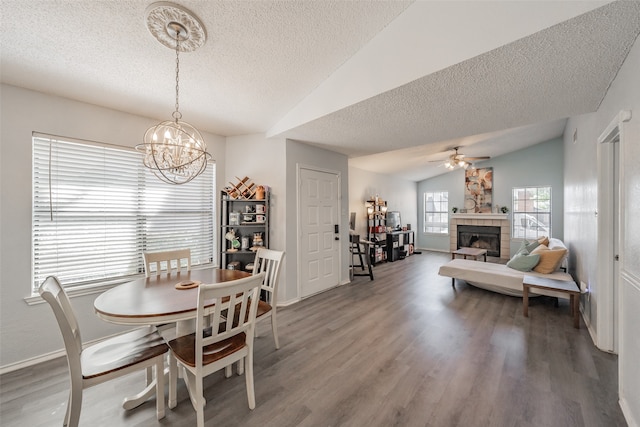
538, 165
299, 154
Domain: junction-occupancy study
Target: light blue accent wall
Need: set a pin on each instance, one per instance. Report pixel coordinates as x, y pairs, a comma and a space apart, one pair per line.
538, 165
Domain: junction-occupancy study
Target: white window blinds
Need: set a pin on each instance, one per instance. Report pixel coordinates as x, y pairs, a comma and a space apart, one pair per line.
96, 209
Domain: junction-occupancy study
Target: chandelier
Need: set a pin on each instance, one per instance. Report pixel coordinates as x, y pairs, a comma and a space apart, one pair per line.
173, 149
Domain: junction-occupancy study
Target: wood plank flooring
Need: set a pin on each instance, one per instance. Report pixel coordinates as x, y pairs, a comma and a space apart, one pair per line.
403, 350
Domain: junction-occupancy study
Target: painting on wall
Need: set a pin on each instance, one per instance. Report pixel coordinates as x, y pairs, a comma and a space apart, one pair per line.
478, 190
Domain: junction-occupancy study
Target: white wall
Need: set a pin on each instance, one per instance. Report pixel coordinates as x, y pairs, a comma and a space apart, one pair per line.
581, 195
400, 195
263, 161
30, 331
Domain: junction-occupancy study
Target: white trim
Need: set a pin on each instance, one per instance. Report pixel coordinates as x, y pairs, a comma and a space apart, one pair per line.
611, 131
626, 411
605, 334
50, 356
480, 216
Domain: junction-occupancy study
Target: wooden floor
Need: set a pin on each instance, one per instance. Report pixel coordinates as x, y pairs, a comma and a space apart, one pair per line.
403, 350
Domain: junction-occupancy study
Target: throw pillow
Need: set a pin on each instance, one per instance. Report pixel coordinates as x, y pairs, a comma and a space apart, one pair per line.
526, 247
544, 240
522, 262
550, 259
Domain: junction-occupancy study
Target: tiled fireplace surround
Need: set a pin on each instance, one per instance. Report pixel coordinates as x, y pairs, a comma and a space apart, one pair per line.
480, 219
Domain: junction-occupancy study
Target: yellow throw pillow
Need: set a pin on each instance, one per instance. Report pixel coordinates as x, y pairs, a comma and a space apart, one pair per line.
550, 259
544, 241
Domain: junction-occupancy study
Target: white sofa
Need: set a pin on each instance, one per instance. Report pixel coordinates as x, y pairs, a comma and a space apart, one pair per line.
499, 277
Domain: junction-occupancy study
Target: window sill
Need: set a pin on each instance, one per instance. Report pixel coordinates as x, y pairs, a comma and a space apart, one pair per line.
97, 288
79, 291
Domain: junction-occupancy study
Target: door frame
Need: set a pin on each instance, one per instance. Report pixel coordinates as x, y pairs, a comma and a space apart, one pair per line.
338, 175
608, 301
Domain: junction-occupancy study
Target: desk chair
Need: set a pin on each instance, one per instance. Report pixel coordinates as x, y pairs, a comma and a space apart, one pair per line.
268, 261
356, 251
109, 359
210, 349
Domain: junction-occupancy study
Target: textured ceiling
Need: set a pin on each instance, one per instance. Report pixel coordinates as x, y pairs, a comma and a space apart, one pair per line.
264, 61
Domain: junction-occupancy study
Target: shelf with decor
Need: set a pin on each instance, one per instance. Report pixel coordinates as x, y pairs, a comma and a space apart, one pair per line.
377, 229
244, 228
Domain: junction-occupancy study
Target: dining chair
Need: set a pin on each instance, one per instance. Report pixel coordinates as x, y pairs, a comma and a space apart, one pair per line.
167, 259
212, 348
268, 261
109, 359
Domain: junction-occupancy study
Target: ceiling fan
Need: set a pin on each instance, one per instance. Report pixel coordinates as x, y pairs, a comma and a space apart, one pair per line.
460, 160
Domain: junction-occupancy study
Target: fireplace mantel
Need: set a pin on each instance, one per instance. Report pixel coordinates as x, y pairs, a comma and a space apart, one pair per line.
500, 216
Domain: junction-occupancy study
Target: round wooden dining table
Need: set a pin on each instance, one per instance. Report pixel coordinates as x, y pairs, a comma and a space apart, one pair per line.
155, 300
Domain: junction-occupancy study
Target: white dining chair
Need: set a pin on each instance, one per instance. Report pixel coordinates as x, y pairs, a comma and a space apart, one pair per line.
210, 349
109, 359
167, 261
268, 261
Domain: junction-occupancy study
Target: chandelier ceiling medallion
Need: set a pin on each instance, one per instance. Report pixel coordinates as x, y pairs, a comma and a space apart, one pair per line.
174, 150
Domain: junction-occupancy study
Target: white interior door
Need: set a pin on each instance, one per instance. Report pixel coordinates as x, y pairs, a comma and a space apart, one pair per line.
319, 249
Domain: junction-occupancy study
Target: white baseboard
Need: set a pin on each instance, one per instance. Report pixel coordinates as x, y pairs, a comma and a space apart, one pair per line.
32, 362
628, 416
48, 356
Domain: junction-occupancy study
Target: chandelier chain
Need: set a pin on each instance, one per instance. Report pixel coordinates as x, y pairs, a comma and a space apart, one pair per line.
176, 114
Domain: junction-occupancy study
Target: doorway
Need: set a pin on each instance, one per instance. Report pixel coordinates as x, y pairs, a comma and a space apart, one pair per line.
609, 234
318, 220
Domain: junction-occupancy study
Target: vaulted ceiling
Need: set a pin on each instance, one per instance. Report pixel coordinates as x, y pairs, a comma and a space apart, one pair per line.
391, 84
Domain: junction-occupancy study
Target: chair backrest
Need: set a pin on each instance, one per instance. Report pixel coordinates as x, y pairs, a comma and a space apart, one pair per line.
268, 261
233, 301
167, 261
53, 293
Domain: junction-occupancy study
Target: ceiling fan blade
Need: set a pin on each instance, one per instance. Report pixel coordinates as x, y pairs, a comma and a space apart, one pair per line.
478, 158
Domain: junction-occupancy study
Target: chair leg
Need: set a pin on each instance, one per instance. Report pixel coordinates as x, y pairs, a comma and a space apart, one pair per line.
274, 327
72, 416
228, 370
149, 375
199, 402
251, 396
173, 381
160, 387
240, 366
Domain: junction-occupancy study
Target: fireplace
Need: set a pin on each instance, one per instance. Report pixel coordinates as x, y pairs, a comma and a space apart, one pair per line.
480, 236
497, 248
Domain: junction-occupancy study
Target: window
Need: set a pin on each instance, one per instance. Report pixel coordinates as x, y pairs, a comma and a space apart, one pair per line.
531, 212
96, 208
436, 212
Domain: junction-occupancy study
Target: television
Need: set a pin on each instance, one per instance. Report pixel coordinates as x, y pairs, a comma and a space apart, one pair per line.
393, 220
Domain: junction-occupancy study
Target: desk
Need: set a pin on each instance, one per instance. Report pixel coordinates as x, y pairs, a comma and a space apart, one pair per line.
154, 301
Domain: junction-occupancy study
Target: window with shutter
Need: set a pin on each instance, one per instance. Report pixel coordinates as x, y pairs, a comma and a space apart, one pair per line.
96, 208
